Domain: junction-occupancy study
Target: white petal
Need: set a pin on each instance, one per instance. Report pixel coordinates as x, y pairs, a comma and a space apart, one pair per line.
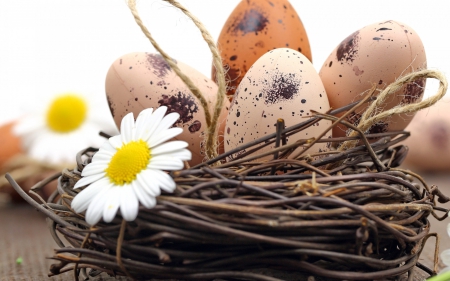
141, 121
445, 257
129, 204
102, 156
148, 127
168, 121
164, 136
82, 200
126, 128
93, 169
88, 180
182, 154
116, 141
107, 148
147, 183
163, 162
112, 204
164, 181
448, 229
28, 124
145, 198
168, 147
39, 148
95, 210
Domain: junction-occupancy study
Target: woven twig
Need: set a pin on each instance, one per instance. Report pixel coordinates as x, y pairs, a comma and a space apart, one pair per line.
354, 222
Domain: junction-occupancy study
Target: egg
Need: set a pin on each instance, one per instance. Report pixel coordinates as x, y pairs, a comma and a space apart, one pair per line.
11, 150
376, 54
137, 81
10, 144
253, 28
281, 84
429, 143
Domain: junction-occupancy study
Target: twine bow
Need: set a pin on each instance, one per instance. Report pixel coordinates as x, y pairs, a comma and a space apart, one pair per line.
369, 117
211, 120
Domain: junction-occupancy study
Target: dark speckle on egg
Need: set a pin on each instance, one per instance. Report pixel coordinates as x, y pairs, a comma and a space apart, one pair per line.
110, 104
252, 21
357, 71
231, 75
379, 127
413, 91
281, 87
348, 49
195, 126
183, 104
157, 65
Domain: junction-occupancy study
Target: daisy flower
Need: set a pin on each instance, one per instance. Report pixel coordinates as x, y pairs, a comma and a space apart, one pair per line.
56, 132
127, 169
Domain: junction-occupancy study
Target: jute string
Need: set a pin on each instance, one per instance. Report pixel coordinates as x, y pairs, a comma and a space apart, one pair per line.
211, 120
370, 117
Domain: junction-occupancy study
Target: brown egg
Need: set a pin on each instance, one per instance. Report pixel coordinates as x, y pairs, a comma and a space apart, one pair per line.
376, 54
255, 27
429, 143
10, 147
10, 144
281, 84
142, 80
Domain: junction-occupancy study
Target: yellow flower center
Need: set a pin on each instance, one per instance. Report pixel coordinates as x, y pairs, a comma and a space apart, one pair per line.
128, 161
66, 113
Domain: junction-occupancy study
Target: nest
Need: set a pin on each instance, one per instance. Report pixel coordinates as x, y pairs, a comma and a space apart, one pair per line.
347, 215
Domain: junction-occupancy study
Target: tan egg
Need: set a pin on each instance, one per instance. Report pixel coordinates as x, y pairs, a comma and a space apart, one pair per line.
10, 147
429, 143
281, 84
254, 28
10, 144
142, 80
376, 54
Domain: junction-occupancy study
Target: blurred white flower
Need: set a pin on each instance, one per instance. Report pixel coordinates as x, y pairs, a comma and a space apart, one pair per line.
445, 255
128, 168
56, 131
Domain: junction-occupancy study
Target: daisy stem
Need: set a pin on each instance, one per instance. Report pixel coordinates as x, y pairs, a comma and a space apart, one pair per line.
441, 277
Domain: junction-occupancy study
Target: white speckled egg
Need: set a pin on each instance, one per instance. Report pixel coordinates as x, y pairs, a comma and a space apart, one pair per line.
137, 81
281, 84
376, 54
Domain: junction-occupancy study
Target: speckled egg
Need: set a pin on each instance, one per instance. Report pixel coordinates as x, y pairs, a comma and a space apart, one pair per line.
376, 54
281, 84
255, 27
142, 80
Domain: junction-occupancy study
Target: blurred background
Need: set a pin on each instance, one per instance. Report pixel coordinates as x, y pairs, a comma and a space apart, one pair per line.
52, 46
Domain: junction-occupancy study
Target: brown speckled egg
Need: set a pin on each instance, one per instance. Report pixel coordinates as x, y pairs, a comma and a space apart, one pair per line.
255, 27
281, 84
429, 143
142, 80
376, 54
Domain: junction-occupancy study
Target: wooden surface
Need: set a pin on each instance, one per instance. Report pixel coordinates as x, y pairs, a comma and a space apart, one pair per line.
23, 233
